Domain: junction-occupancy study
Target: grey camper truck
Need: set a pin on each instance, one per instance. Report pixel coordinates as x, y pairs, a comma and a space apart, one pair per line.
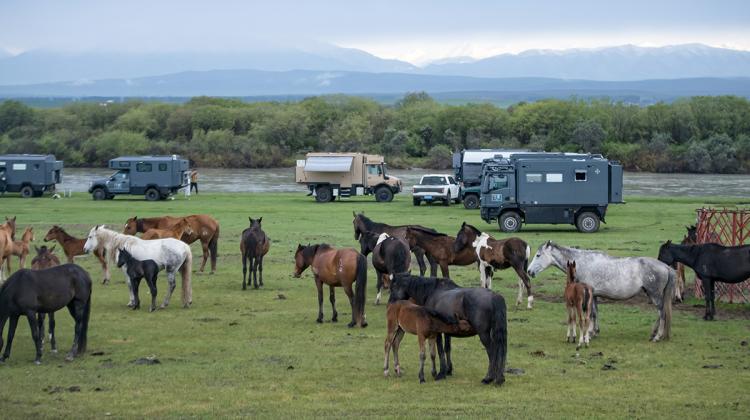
155, 177
467, 166
30, 175
554, 188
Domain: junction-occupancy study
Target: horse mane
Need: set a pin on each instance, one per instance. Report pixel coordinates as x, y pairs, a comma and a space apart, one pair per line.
475, 230
427, 231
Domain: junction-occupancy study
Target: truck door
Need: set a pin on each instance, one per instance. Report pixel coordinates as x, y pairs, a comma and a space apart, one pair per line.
119, 182
501, 190
374, 175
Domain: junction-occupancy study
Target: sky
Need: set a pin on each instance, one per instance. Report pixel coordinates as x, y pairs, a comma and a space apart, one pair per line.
415, 31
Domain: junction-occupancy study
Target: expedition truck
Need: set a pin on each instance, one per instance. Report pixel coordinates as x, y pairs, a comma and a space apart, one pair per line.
467, 167
155, 177
30, 175
436, 187
552, 188
331, 175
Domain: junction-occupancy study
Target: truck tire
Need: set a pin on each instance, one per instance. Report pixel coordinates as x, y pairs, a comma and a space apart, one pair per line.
323, 194
587, 222
416, 201
510, 222
383, 195
447, 199
27, 192
471, 202
152, 194
99, 194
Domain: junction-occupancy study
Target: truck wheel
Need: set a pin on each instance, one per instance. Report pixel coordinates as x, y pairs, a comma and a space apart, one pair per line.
416, 201
383, 195
323, 194
27, 192
99, 194
471, 202
510, 222
447, 199
587, 222
152, 194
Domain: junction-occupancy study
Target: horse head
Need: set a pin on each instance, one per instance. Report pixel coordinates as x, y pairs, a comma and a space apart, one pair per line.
399, 287
543, 258
359, 225
255, 222
131, 226
92, 240
665, 253
571, 272
301, 260
28, 234
367, 242
123, 257
10, 222
52, 233
465, 237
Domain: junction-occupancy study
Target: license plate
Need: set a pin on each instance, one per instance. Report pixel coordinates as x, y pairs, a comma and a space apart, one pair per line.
428, 197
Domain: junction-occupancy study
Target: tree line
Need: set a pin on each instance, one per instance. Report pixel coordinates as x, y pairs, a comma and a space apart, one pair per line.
698, 134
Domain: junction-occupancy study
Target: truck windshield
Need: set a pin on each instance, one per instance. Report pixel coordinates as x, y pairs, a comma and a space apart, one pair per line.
433, 180
119, 175
498, 181
374, 170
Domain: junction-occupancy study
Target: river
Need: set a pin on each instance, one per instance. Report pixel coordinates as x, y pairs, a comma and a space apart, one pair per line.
282, 180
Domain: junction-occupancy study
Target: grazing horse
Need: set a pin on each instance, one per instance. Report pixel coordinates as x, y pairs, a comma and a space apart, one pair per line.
137, 270
43, 260
390, 256
497, 254
204, 228
21, 248
483, 309
579, 298
29, 292
439, 247
426, 324
336, 268
73, 247
712, 263
254, 245
615, 278
176, 231
363, 224
169, 253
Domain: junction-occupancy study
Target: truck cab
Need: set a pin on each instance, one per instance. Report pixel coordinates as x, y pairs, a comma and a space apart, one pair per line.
154, 177
467, 167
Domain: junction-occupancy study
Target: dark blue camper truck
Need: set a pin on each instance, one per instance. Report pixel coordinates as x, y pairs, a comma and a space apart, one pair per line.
155, 177
554, 188
31, 175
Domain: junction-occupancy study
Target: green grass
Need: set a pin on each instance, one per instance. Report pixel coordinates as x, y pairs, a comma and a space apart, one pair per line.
250, 353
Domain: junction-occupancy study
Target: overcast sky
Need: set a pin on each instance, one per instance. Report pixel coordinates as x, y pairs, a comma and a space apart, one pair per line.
415, 31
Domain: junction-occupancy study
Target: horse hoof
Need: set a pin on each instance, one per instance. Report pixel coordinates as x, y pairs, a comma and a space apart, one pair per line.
487, 381
440, 376
319, 320
421, 380
69, 357
54, 350
334, 320
351, 324
364, 324
385, 373
37, 362
499, 381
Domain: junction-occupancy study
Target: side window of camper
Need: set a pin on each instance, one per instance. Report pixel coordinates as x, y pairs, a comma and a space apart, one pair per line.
162, 167
554, 178
143, 167
125, 164
531, 178
580, 175
19, 166
36, 166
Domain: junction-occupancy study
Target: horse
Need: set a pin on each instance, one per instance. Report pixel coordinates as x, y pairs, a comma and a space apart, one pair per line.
73, 247
254, 245
137, 270
497, 254
364, 224
204, 227
168, 253
439, 247
712, 263
176, 231
6, 245
426, 324
21, 248
482, 308
691, 238
390, 256
615, 278
579, 298
10, 226
29, 292
336, 268
46, 259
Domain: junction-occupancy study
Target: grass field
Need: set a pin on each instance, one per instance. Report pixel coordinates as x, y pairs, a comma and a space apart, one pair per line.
253, 353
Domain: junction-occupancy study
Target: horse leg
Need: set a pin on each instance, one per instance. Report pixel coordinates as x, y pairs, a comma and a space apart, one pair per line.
441, 357
524, 282
319, 285
204, 244
103, 262
570, 325
244, 271
581, 331
350, 294
34, 325
260, 270
254, 270
432, 357
136, 284
77, 313
421, 339
680, 289
419, 256
448, 361
396, 345
487, 343
708, 291
11, 332
172, 284
594, 326
151, 281
52, 341
387, 346
444, 270
379, 285
335, 317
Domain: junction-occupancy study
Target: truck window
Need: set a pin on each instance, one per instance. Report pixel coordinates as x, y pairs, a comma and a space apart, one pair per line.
374, 170
143, 167
499, 181
580, 174
19, 166
554, 178
530, 178
123, 164
433, 180
452, 180
162, 167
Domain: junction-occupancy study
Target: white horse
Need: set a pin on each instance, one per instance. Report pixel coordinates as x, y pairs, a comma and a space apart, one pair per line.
615, 278
170, 254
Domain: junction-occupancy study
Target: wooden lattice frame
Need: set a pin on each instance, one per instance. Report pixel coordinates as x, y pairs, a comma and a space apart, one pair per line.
727, 227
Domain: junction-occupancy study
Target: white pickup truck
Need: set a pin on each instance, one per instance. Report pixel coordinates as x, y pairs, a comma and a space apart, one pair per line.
436, 187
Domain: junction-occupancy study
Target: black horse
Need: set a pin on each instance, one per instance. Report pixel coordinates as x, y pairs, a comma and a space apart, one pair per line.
29, 292
482, 308
389, 257
138, 270
254, 246
712, 263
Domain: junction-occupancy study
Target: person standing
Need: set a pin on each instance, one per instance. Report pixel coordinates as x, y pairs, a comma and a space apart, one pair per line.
194, 181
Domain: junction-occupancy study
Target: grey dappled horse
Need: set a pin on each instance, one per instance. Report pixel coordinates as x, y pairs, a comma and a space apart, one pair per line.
615, 278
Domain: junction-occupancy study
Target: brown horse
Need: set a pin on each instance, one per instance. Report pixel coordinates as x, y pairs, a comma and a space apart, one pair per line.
176, 231
7, 232
497, 254
254, 245
426, 324
205, 228
21, 248
439, 247
73, 247
10, 226
43, 260
579, 301
336, 268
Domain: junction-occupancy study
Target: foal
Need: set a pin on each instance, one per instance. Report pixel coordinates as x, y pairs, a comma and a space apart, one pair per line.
254, 245
579, 299
21, 248
137, 270
426, 324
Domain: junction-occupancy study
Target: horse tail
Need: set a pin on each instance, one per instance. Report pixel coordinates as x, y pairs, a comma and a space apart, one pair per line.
186, 272
361, 286
83, 338
213, 246
669, 291
499, 336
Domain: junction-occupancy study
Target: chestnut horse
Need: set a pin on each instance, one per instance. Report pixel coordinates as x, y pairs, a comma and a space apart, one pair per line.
336, 268
21, 248
205, 228
579, 301
73, 247
439, 247
180, 228
254, 245
7, 233
497, 254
